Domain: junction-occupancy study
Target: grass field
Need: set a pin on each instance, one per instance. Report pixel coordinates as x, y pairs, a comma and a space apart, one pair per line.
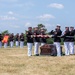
14, 61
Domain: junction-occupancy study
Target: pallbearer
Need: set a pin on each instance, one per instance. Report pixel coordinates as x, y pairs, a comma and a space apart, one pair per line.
1, 40
21, 40
66, 40
36, 41
17, 38
11, 40
71, 43
29, 40
43, 37
57, 39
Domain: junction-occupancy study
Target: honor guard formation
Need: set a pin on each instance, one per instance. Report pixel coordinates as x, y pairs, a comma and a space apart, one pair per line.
36, 37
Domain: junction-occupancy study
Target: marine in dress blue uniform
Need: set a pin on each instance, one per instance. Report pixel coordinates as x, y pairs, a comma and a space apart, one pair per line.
1, 40
11, 40
71, 43
36, 41
17, 38
57, 39
66, 40
21, 40
29, 34
43, 38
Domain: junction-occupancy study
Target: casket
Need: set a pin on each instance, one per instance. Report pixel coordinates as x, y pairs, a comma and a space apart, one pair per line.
48, 49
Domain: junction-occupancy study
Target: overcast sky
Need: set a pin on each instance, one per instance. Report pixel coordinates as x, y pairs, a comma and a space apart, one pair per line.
17, 15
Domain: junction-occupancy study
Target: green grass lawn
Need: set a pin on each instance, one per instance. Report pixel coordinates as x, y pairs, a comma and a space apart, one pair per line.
14, 61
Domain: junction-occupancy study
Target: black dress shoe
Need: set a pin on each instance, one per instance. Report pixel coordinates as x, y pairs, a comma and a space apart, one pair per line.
36, 54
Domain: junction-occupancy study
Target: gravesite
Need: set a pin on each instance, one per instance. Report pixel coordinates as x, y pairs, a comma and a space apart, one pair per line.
37, 37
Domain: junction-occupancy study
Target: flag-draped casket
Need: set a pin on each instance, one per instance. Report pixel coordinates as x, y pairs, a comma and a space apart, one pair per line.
48, 49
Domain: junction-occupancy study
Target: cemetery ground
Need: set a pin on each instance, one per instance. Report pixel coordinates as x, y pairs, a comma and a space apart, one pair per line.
14, 61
